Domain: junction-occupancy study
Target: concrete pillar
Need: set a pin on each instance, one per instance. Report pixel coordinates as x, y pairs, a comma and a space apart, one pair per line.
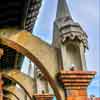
82, 53
75, 83
64, 57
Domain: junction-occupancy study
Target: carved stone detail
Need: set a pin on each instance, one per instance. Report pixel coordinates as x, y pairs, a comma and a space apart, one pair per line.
71, 30
43, 96
39, 74
75, 35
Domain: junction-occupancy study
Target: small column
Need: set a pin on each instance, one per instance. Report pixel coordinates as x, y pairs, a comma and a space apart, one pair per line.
42, 87
82, 54
64, 56
1, 88
75, 83
42, 84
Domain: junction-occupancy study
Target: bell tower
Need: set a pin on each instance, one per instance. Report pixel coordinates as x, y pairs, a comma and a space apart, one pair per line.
70, 40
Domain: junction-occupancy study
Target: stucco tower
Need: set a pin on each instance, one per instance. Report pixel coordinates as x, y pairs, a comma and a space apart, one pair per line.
71, 41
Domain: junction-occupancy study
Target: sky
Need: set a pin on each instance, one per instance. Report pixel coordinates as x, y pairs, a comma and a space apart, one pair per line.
85, 12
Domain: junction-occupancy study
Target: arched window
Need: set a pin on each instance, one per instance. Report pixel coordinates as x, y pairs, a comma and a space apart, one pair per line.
73, 56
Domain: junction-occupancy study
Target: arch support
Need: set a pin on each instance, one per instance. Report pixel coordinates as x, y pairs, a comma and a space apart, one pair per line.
17, 98
42, 54
17, 76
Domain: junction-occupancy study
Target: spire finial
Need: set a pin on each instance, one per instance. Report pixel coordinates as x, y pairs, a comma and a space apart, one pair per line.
62, 9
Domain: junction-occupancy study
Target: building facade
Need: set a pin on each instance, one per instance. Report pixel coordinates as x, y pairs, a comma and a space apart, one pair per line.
59, 67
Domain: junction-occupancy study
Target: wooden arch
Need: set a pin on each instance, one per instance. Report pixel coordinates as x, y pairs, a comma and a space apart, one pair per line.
12, 79
42, 54
11, 94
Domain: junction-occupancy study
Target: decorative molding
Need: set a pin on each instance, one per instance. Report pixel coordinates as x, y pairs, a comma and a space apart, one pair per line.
39, 74
74, 35
75, 83
70, 30
75, 79
43, 96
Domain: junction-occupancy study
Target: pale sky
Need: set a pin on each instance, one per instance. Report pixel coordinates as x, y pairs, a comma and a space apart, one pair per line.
85, 12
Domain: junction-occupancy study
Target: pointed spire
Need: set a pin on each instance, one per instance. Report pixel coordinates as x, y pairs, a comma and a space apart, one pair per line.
62, 9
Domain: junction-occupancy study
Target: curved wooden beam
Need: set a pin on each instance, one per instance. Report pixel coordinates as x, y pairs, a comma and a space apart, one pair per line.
40, 53
25, 80
5, 97
11, 78
11, 93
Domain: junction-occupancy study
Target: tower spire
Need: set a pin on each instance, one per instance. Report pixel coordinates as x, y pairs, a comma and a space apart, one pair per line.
67, 35
62, 9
